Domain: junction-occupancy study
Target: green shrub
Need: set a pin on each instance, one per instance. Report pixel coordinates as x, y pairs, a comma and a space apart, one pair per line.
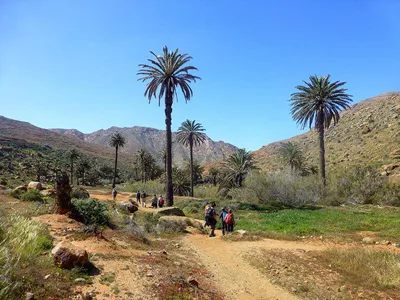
91, 211
79, 193
281, 187
16, 193
21, 246
33, 196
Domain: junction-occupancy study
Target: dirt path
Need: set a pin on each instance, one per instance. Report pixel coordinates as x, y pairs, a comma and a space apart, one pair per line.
233, 275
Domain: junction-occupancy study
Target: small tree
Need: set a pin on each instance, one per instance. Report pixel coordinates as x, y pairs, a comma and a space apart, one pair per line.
191, 134
116, 141
72, 156
292, 155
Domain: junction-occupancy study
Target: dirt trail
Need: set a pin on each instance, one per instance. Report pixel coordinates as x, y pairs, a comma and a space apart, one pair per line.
233, 275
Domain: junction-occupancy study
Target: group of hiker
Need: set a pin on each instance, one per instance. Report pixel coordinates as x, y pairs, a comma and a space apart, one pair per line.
155, 202
226, 216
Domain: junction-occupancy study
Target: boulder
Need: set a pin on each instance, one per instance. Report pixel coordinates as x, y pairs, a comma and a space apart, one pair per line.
368, 240
34, 185
169, 211
2, 187
48, 193
179, 222
129, 206
21, 188
67, 256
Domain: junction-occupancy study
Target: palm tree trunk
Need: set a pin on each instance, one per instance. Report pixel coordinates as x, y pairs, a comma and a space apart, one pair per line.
168, 120
72, 171
191, 168
115, 167
321, 132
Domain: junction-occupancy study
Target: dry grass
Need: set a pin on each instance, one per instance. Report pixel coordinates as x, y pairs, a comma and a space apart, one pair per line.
366, 267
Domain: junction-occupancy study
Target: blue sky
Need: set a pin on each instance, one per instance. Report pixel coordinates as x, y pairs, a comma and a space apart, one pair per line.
73, 63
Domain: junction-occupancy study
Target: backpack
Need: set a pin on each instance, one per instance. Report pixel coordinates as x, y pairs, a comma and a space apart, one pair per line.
210, 212
162, 201
229, 219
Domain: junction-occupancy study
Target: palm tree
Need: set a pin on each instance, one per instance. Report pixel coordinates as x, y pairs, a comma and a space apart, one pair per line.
167, 73
84, 165
318, 103
292, 155
117, 140
191, 133
73, 155
213, 173
236, 168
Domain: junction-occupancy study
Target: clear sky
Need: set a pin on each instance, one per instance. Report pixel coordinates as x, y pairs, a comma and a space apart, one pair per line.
73, 63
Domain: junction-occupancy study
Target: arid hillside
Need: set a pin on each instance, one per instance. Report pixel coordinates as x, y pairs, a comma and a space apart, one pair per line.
368, 134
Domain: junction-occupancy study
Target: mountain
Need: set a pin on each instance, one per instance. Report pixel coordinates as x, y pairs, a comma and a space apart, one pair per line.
24, 133
368, 134
153, 140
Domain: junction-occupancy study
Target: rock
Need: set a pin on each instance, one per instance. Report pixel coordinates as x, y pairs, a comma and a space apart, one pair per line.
368, 240
48, 193
179, 222
47, 276
21, 188
80, 280
132, 207
169, 211
67, 256
87, 296
343, 288
193, 282
241, 231
79, 193
149, 275
163, 252
34, 185
2, 187
294, 290
29, 296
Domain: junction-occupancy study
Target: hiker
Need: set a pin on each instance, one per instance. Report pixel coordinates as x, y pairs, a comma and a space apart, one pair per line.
160, 201
211, 218
144, 195
138, 197
114, 193
222, 216
154, 201
207, 205
230, 221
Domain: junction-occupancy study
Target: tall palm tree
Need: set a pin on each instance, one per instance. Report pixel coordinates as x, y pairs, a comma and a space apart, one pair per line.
191, 134
117, 140
318, 103
73, 155
167, 73
292, 155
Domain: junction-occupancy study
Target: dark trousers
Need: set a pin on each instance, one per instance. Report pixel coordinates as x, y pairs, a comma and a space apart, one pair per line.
224, 228
229, 227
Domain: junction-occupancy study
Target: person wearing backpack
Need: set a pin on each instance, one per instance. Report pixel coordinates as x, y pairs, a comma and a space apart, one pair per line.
154, 201
114, 194
230, 221
160, 201
138, 197
205, 213
222, 216
211, 219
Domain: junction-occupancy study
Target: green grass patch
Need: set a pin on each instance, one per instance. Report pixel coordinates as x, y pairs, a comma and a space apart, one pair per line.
329, 222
